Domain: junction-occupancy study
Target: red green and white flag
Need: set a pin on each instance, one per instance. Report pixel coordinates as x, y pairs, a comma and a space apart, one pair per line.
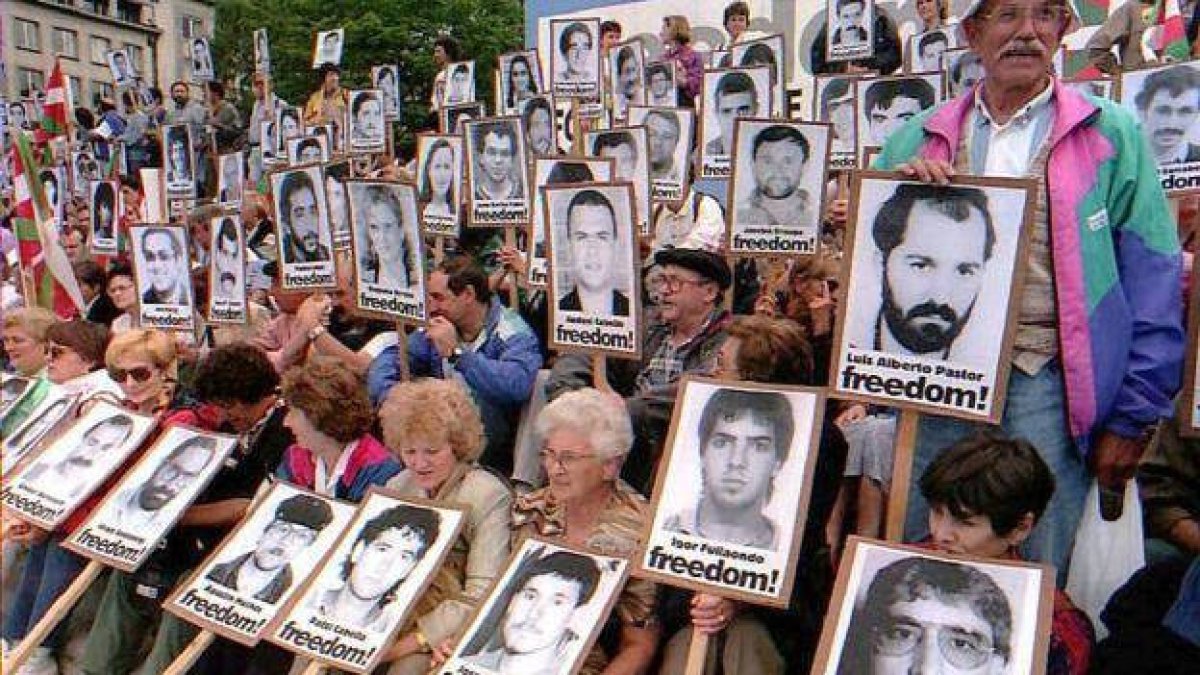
1170, 38
55, 107
43, 260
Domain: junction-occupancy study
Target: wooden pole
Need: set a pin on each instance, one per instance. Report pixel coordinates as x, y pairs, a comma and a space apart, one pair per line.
600, 373
402, 352
697, 654
514, 296
314, 668
189, 656
906, 442
439, 249
55, 614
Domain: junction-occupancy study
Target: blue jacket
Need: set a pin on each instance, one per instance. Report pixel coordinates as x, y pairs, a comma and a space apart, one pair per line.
500, 375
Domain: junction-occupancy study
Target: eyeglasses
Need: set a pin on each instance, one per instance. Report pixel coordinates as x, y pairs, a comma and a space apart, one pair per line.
152, 256
140, 374
56, 351
293, 531
962, 649
674, 283
566, 460
1045, 16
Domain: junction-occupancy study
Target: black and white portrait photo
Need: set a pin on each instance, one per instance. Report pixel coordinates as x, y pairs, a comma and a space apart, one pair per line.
777, 187
988, 616
834, 102
930, 286
103, 206
18, 115
262, 563
371, 581
1166, 101
849, 26
727, 96
629, 150
539, 116
231, 176
389, 277
202, 61
496, 171
328, 47
440, 171
963, 69
886, 103
925, 50
304, 236
54, 185
311, 149
269, 147
550, 171
367, 124
226, 272
12, 390
385, 80
765, 52
84, 170
48, 488
41, 424
626, 71
542, 616
140, 509
520, 78
575, 58
660, 84
287, 127
737, 475
592, 244
460, 83
1100, 87
179, 160
160, 263
669, 137
262, 52
452, 118
121, 69
336, 174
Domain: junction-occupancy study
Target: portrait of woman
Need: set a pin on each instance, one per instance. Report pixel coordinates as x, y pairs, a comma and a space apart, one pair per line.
521, 81
438, 191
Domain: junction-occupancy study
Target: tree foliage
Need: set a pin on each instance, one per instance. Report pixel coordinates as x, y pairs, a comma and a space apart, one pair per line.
377, 32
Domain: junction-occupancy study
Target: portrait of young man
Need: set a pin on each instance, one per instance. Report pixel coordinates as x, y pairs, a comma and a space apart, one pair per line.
886, 104
576, 59
626, 74
734, 94
69, 468
177, 148
104, 213
335, 176
778, 177
538, 114
265, 572
744, 438
533, 633
461, 83
593, 243
964, 71
385, 552
307, 150
328, 48
231, 175
202, 63
848, 25
301, 216
836, 106
162, 266
628, 149
144, 509
664, 134
927, 50
32, 431
1168, 106
660, 85
366, 120
497, 153
118, 65
227, 276
384, 219
924, 615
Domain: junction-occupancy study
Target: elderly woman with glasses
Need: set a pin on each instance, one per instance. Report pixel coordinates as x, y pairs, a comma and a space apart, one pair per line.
586, 436
435, 428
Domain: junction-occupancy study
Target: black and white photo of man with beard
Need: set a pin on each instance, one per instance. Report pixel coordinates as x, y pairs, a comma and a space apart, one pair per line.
143, 509
163, 270
301, 216
778, 181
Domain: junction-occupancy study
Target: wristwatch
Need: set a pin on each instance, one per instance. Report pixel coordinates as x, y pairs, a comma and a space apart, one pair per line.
455, 355
315, 332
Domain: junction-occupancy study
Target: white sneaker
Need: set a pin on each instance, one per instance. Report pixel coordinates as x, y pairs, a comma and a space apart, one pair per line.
41, 662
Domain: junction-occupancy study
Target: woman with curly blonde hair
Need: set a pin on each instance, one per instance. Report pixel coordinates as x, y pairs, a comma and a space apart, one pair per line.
435, 428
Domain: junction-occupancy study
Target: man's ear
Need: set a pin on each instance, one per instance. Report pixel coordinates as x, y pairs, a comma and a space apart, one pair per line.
1021, 532
970, 31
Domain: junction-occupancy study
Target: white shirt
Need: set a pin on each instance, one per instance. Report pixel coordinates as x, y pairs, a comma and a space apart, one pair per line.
1010, 147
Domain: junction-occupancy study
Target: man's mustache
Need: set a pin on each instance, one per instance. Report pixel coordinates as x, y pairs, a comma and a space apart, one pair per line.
932, 309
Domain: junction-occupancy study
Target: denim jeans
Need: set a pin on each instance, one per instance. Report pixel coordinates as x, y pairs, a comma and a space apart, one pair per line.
1035, 411
49, 569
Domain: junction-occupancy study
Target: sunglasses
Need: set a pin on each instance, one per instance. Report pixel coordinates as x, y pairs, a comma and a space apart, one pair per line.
139, 374
57, 351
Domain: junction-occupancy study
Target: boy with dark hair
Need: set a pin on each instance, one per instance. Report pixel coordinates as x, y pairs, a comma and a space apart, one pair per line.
986, 494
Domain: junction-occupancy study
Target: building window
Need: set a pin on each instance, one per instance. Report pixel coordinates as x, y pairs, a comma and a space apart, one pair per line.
27, 35
29, 81
76, 93
136, 57
99, 47
190, 27
66, 43
101, 90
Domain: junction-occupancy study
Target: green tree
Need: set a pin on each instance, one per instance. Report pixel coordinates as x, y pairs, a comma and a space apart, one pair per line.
377, 32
